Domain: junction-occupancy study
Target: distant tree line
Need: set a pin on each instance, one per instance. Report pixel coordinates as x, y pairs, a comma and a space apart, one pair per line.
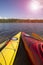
20, 21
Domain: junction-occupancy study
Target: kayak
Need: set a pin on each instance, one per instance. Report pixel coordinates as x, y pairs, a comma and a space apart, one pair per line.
9, 51
2, 44
37, 36
34, 49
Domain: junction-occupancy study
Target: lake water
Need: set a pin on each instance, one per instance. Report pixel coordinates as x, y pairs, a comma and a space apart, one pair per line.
8, 29
26, 27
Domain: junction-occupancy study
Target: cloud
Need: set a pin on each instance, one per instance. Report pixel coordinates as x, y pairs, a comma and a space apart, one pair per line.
0, 17
7, 17
3, 17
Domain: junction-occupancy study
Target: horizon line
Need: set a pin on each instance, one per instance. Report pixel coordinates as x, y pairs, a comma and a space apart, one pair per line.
21, 18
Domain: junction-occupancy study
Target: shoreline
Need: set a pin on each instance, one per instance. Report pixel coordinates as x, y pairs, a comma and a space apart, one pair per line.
20, 21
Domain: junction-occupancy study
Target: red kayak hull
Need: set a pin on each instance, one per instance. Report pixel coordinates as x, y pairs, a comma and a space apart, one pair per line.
34, 49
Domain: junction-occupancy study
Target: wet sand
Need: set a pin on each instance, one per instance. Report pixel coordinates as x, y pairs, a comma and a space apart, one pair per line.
21, 57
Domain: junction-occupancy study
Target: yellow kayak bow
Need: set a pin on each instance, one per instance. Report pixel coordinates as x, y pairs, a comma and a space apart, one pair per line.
8, 53
37, 36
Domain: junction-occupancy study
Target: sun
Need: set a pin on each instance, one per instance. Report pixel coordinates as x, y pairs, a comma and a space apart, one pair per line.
34, 6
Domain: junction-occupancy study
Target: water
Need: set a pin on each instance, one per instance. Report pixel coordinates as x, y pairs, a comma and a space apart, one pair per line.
26, 27
9, 29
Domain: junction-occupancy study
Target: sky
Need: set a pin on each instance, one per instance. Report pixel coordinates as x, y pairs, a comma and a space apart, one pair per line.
28, 9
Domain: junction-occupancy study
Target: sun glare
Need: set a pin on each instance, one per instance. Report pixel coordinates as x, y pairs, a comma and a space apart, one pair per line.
34, 6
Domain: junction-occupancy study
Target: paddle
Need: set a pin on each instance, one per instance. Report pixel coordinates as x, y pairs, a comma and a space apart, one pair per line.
37, 36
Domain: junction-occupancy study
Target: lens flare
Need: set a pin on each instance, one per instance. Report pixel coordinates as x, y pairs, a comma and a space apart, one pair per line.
34, 6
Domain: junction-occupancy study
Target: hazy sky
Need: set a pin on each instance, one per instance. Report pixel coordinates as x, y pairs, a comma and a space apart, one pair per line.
21, 9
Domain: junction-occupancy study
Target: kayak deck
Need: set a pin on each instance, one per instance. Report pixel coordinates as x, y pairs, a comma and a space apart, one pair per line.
21, 57
8, 53
33, 49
